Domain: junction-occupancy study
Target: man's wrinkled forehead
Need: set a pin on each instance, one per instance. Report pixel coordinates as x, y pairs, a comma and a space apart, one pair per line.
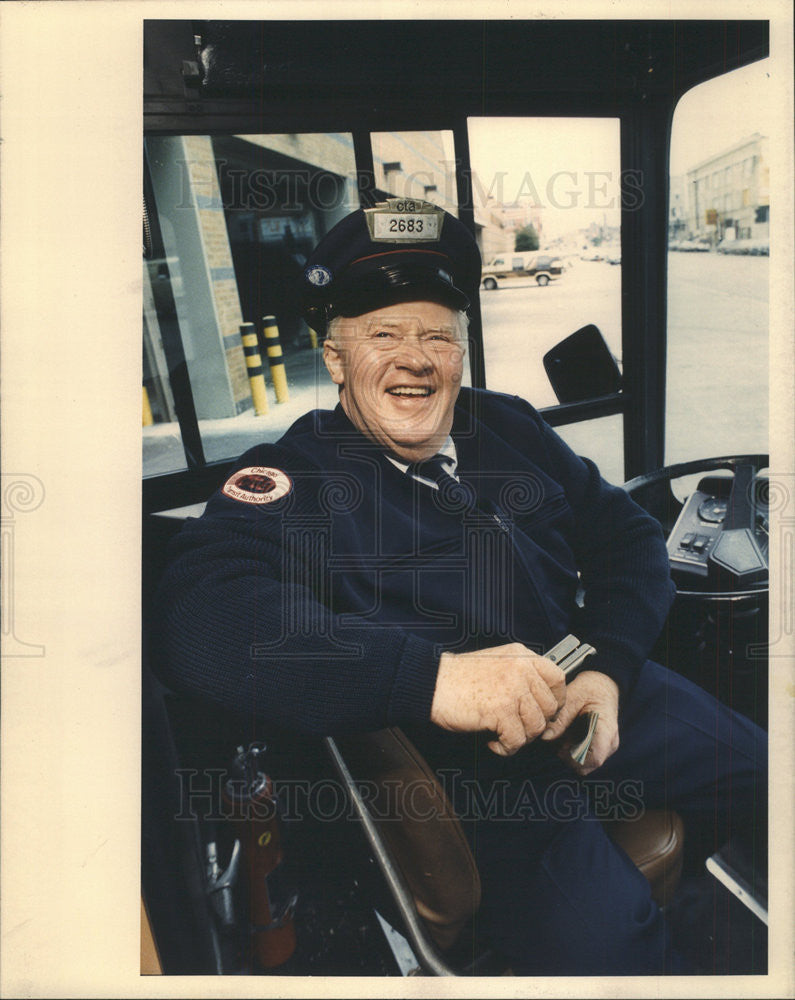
405, 321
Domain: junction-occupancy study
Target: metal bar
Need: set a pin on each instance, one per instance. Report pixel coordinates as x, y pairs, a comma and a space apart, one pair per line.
717, 866
466, 214
586, 409
425, 950
231, 117
365, 167
645, 138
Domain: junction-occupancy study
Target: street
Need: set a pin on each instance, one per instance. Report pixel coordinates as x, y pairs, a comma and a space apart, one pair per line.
717, 362
717, 395
718, 350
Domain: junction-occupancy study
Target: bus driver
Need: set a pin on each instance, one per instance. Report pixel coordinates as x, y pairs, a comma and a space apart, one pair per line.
414, 553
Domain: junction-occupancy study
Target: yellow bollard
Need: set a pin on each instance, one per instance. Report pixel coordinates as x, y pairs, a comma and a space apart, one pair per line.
274, 348
312, 338
148, 418
256, 375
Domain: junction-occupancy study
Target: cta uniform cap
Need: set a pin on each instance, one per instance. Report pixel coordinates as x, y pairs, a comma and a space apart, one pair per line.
400, 251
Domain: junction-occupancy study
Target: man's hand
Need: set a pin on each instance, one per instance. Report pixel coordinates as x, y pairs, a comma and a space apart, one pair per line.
590, 691
508, 690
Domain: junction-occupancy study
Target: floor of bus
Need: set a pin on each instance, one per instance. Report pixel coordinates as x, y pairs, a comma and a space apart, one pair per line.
714, 932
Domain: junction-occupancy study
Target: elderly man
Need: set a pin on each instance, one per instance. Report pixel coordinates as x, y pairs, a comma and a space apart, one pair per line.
407, 558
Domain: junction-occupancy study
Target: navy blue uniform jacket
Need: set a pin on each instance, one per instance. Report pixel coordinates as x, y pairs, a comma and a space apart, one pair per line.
326, 610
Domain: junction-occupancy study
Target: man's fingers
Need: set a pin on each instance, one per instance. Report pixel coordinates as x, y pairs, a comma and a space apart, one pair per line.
507, 684
603, 745
496, 747
557, 727
554, 677
511, 737
543, 698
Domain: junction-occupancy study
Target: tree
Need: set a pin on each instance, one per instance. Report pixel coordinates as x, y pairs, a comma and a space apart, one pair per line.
526, 238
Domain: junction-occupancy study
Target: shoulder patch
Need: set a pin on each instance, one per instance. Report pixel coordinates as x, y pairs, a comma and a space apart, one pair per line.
257, 484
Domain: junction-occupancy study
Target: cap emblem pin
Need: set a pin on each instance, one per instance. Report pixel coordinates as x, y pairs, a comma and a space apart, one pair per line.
318, 275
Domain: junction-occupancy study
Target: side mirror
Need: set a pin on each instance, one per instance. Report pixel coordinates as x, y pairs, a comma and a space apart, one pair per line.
582, 367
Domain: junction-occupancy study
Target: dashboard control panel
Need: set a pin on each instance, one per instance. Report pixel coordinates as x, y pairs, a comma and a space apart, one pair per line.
694, 535
702, 544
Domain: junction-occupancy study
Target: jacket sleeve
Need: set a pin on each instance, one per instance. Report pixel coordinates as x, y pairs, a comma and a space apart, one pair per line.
623, 565
236, 625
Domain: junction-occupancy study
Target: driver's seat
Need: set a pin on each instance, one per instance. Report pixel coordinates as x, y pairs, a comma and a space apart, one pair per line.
425, 856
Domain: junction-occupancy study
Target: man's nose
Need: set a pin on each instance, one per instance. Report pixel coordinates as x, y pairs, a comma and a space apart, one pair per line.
413, 355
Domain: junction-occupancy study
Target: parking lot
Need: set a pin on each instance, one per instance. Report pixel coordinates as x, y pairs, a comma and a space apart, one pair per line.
717, 350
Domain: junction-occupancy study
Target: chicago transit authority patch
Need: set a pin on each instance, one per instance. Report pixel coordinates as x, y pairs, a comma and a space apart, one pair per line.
257, 484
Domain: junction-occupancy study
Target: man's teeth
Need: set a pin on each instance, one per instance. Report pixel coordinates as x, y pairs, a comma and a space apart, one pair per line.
410, 390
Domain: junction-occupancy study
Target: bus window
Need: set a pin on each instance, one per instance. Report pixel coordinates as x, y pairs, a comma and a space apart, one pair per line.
237, 217
549, 185
600, 438
719, 208
163, 451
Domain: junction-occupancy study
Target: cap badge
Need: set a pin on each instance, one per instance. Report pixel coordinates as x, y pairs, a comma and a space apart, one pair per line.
318, 275
404, 220
257, 484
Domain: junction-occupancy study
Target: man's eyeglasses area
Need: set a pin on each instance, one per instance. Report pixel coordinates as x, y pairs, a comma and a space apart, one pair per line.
389, 337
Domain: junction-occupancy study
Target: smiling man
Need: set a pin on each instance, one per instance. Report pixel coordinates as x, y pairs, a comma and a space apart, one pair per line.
399, 372
406, 558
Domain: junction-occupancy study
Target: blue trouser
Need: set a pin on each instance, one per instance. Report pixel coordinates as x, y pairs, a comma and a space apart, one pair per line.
559, 897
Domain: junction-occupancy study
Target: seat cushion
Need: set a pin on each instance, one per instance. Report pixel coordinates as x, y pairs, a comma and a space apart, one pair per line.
655, 843
415, 818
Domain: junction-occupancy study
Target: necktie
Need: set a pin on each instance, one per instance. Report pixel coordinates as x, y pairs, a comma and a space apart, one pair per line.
433, 469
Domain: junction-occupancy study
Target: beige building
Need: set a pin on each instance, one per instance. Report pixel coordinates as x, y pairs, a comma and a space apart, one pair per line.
677, 208
519, 214
416, 165
729, 194
421, 165
494, 234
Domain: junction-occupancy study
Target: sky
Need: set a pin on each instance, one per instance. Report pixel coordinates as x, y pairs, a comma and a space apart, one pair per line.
572, 166
720, 112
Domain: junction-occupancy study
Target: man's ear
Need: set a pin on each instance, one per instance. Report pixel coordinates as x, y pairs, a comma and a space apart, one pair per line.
332, 356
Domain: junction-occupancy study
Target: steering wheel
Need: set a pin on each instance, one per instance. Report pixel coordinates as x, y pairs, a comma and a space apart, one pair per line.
717, 538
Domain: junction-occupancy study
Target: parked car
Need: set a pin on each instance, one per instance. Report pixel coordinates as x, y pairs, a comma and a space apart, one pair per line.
521, 264
694, 246
755, 248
